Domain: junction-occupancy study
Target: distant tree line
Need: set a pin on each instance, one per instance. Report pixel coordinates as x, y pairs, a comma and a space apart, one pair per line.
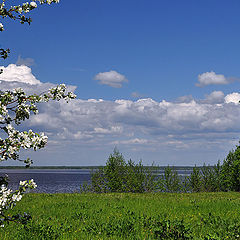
119, 175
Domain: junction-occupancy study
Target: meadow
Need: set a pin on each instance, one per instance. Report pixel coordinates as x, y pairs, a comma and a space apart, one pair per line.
128, 216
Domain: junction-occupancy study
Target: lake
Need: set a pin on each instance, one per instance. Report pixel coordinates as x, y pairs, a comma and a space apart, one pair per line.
49, 180
56, 180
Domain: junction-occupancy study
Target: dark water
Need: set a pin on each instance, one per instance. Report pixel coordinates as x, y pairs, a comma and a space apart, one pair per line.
49, 180
56, 180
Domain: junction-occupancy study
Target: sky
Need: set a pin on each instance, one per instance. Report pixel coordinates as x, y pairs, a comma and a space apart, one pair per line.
157, 79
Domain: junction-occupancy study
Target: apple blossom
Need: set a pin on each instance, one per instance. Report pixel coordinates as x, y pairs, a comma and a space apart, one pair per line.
15, 107
8, 200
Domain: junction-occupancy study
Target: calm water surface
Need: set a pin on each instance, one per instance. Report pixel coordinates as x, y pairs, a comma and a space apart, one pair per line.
55, 180
49, 180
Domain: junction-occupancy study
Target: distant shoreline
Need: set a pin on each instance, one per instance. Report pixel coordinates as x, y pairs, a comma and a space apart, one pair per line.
95, 167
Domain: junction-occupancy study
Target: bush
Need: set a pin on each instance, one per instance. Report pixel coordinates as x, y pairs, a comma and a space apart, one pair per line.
121, 176
205, 179
171, 180
208, 179
217, 177
115, 172
195, 180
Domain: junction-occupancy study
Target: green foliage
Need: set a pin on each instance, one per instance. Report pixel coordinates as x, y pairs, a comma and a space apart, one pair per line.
115, 172
211, 178
98, 183
171, 180
166, 229
195, 180
217, 177
33, 230
124, 216
121, 176
205, 179
230, 172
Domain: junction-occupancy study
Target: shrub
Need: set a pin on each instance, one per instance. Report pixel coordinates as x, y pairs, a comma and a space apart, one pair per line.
217, 177
171, 180
195, 180
121, 176
208, 179
114, 172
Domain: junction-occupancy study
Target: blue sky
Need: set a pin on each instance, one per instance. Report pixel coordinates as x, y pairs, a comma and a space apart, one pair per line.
184, 52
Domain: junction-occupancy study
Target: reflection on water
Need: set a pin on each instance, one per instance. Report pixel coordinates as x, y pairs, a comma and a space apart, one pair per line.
56, 180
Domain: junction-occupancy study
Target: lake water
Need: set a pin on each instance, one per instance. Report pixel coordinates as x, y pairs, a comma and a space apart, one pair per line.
55, 180
49, 180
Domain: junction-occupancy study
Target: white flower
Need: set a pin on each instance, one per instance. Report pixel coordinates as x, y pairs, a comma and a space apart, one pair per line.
9, 127
32, 183
22, 183
16, 197
33, 4
11, 150
1, 27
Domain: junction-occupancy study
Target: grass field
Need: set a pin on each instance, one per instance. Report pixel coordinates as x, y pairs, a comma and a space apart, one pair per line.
128, 216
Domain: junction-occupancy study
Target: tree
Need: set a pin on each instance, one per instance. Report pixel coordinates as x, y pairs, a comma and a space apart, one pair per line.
171, 180
230, 171
15, 107
121, 176
115, 172
195, 180
112, 177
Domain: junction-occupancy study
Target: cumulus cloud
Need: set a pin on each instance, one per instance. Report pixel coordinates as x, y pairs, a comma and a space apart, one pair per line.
186, 124
111, 78
215, 97
209, 78
233, 98
186, 99
145, 127
142, 119
20, 74
15, 76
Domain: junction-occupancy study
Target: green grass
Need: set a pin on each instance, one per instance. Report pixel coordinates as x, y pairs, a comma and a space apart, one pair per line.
128, 216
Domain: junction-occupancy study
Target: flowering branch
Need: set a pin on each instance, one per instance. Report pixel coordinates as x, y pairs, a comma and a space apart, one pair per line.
18, 13
15, 107
8, 200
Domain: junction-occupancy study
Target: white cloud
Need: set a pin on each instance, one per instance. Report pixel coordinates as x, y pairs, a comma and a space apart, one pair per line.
168, 129
111, 78
233, 98
186, 99
141, 126
163, 129
215, 97
131, 141
21, 74
113, 129
14, 76
109, 121
209, 78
